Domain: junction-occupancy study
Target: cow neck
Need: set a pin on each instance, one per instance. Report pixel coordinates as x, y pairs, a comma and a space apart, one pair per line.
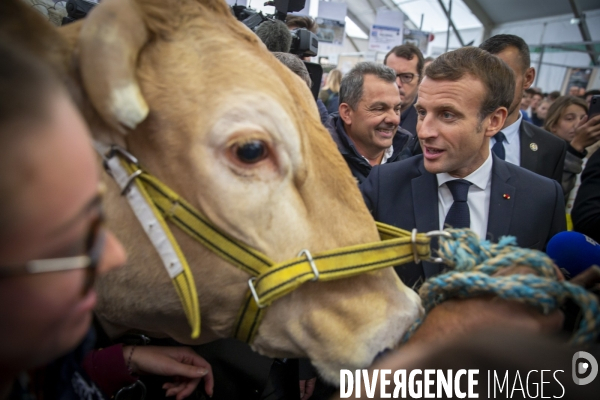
155, 204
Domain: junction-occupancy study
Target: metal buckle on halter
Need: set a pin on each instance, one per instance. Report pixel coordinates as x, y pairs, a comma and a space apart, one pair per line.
413, 239
311, 262
437, 260
130, 180
253, 291
111, 152
114, 149
127, 155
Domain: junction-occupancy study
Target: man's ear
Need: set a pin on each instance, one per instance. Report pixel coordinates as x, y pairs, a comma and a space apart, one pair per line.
496, 121
529, 78
345, 113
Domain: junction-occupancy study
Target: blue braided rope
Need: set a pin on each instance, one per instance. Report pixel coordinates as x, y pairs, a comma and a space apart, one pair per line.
474, 262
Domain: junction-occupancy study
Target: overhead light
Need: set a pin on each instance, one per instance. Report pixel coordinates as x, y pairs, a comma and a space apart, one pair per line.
575, 21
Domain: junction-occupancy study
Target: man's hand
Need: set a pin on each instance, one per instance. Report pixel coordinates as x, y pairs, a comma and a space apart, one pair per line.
180, 362
307, 388
454, 318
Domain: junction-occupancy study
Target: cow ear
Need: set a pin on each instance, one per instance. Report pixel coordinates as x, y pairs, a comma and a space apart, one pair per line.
110, 40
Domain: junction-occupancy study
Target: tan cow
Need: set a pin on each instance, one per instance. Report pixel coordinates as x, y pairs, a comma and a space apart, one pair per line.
182, 85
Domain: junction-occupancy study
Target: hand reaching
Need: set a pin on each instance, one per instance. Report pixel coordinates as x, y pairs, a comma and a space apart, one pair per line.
180, 362
586, 133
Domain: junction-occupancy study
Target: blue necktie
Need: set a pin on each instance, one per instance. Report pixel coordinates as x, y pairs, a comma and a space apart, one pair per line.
458, 216
498, 147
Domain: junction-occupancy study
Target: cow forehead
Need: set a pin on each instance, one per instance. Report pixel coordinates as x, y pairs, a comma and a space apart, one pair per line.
206, 69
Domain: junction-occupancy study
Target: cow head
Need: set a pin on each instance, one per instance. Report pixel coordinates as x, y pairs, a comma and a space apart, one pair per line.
206, 108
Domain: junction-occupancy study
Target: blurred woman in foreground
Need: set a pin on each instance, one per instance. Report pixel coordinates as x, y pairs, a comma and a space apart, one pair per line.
52, 247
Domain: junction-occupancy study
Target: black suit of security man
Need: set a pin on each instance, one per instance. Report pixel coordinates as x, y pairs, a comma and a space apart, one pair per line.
522, 204
541, 151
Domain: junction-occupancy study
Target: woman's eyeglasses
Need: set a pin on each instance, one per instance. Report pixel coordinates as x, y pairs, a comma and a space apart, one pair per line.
89, 261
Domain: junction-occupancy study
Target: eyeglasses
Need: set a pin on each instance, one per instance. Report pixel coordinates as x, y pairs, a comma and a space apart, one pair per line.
406, 78
94, 246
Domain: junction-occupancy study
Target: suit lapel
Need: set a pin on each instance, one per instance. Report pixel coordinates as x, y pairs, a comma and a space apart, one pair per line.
425, 204
502, 200
529, 158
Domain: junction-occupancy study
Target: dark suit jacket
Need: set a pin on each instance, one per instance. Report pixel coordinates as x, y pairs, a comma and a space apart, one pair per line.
541, 151
586, 211
405, 195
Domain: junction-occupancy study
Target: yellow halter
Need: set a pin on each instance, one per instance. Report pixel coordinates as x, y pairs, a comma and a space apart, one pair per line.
269, 280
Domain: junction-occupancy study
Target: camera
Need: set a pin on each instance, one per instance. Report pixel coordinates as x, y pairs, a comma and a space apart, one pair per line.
304, 42
77, 9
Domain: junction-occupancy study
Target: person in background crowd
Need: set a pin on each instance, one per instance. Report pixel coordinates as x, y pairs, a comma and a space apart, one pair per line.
297, 67
330, 94
407, 61
52, 247
301, 21
458, 182
574, 91
525, 105
428, 61
586, 210
567, 119
366, 129
541, 112
536, 100
520, 142
589, 94
552, 96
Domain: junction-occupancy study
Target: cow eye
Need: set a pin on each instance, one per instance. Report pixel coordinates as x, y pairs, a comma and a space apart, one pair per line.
251, 152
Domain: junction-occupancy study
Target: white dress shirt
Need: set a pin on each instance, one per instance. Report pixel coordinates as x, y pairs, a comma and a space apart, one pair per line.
386, 155
478, 198
512, 145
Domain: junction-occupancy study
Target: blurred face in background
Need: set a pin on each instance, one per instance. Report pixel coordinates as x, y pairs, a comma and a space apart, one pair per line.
568, 121
542, 110
536, 100
55, 208
407, 78
526, 101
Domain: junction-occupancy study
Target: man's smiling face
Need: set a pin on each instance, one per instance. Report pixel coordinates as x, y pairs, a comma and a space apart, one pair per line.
373, 124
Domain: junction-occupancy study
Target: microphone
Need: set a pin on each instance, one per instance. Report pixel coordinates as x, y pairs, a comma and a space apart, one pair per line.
275, 35
573, 252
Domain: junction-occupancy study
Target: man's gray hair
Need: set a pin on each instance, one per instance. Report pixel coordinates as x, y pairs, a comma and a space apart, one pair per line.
295, 64
351, 88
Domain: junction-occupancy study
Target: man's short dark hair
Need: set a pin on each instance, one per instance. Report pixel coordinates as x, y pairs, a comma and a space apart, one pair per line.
531, 91
497, 44
351, 88
497, 78
408, 51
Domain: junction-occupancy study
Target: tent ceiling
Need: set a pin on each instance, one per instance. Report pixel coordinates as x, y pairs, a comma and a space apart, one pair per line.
499, 12
489, 12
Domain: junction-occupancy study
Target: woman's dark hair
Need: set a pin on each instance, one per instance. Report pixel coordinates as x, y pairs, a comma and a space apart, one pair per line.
27, 86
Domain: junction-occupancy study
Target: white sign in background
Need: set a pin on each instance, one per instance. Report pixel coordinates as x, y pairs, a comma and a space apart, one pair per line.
387, 30
331, 21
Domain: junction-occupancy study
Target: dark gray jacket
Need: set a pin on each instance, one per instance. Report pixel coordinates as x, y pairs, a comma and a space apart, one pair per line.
358, 165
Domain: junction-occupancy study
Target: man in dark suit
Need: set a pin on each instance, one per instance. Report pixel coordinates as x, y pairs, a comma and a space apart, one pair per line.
463, 102
521, 142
